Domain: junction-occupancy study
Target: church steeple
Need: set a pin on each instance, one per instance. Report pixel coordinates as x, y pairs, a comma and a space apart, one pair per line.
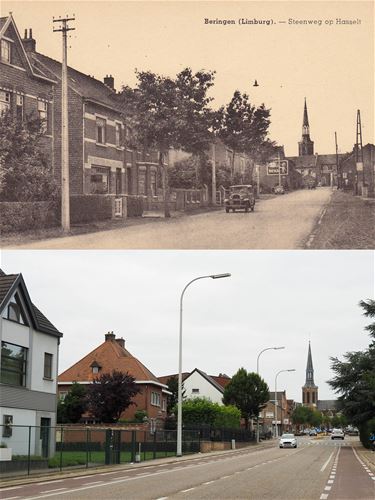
309, 390
306, 145
309, 370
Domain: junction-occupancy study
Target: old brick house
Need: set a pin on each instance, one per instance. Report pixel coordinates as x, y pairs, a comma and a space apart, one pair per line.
25, 90
102, 158
112, 355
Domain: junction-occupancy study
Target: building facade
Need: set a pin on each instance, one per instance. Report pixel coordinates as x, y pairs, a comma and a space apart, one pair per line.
112, 355
28, 370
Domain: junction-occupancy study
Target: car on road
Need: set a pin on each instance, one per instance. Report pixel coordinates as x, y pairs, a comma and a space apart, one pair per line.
313, 432
288, 441
241, 197
279, 190
337, 434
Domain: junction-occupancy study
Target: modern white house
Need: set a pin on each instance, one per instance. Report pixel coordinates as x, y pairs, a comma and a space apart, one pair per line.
28, 371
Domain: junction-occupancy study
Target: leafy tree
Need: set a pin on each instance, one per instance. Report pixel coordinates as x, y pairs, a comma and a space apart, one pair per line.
354, 380
26, 172
172, 400
170, 113
110, 394
316, 418
244, 127
71, 408
248, 392
301, 415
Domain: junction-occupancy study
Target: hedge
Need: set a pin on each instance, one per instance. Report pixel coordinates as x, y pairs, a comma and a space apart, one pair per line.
90, 208
22, 216
135, 206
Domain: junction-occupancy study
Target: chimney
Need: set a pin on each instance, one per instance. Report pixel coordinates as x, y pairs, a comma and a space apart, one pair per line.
29, 44
110, 336
121, 342
109, 81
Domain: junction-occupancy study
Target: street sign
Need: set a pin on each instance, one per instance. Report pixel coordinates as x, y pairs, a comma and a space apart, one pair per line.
273, 167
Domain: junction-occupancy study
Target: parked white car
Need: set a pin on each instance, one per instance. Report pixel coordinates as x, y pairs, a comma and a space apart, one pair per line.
288, 441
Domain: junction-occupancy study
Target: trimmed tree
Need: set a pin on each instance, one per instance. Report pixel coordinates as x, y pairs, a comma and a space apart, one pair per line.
243, 127
169, 113
110, 394
248, 392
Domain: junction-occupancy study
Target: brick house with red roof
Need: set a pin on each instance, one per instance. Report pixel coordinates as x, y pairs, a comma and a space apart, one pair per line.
112, 355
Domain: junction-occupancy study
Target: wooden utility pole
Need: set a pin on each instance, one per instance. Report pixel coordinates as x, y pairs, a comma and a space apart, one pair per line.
359, 155
213, 182
339, 174
65, 209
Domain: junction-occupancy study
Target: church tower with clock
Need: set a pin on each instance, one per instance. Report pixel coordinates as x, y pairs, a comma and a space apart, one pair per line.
310, 390
306, 145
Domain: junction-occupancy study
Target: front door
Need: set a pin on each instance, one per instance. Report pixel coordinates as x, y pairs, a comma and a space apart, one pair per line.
118, 181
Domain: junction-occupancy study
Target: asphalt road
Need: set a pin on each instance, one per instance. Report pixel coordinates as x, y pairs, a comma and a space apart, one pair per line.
283, 222
317, 469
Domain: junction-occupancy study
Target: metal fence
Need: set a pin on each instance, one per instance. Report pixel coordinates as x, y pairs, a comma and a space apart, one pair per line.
29, 449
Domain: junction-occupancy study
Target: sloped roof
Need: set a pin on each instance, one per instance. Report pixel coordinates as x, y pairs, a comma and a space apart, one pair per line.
221, 379
86, 86
109, 355
327, 404
8, 285
164, 379
3, 20
209, 379
311, 161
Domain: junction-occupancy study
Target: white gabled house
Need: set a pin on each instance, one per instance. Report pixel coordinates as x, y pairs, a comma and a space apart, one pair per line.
28, 371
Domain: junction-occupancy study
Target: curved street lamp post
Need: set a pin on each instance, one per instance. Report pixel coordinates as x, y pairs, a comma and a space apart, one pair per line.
277, 374
179, 404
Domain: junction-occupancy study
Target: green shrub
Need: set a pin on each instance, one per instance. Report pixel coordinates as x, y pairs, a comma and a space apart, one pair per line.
140, 415
22, 216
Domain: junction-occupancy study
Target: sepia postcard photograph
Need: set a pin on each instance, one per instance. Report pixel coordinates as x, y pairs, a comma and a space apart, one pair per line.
187, 125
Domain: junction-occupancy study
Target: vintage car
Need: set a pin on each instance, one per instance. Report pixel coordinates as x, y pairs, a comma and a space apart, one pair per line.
240, 197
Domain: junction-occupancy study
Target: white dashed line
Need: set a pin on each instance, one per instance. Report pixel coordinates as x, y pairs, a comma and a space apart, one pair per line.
93, 482
188, 489
54, 491
324, 496
50, 482
209, 482
11, 488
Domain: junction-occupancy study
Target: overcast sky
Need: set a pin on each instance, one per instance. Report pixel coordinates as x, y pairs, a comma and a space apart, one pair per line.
331, 65
272, 299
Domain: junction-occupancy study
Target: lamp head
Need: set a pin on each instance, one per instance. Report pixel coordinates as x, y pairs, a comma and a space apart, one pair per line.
217, 276
277, 348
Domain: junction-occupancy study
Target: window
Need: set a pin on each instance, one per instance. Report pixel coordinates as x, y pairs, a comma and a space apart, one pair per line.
4, 101
5, 51
153, 183
155, 398
15, 311
47, 365
99, 180
7, 425
118, 134
164, 405
13, 364
62, 395
95, 369
195, 391
100, 130
19, 107
43, 115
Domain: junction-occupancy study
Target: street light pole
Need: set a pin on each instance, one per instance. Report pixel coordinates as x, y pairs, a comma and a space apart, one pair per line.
261, 352
277, 374
179, 403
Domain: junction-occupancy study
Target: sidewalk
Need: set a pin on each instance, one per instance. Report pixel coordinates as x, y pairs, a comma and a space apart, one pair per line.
366, 455
51, 476
346, 223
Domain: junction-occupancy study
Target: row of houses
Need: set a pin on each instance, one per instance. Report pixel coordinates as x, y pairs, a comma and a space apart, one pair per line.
30, 383
102, 159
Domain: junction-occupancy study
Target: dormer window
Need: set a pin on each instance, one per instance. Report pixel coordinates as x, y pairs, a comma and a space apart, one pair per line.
5, 51
95, 367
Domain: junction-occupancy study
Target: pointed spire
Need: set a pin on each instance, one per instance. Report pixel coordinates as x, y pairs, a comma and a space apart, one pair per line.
305, 116
309, 369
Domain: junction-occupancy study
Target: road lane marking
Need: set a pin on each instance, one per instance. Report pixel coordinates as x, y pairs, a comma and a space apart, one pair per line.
51, 481
326, 463
330, 481
162, 498
82, 477
324, 496
11, 498
11, 488
54, 491
328, 488
93, 482
209, 482
108, 473
188, 489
